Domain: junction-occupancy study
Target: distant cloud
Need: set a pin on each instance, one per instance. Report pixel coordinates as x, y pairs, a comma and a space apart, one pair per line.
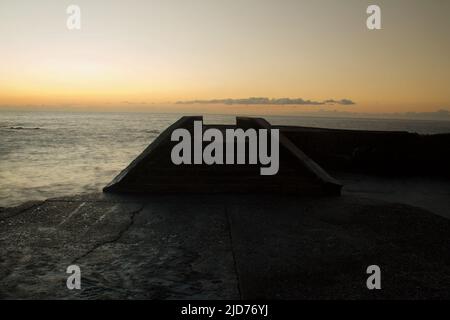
344, 102
268, 101
133, 102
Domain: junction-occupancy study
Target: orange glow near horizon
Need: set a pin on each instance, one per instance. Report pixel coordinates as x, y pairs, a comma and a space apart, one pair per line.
151, 54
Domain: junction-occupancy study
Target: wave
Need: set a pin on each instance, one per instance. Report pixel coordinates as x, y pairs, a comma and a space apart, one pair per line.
22, 128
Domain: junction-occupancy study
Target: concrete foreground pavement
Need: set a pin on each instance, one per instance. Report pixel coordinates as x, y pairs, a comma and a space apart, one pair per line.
222, 247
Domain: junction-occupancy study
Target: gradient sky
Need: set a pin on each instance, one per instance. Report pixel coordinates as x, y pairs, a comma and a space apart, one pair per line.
154, 53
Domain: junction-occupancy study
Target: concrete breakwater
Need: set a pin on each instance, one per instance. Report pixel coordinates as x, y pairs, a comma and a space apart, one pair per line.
388, 153
305, 156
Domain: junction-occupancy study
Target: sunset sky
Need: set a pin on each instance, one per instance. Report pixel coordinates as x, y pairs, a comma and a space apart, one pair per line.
140, 54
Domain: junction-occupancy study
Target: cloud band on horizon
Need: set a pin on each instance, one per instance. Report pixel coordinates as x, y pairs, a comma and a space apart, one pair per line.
268, 101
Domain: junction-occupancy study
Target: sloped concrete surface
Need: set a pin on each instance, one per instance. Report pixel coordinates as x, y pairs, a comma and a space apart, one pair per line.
222, 247
159, 250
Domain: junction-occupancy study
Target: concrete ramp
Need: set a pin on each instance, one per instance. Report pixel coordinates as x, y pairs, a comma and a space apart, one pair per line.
154, 172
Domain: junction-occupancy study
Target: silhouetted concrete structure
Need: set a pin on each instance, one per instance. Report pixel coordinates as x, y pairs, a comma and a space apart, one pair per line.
153, 171
387, 153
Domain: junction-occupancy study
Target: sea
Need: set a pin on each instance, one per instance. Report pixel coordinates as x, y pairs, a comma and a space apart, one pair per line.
51, 154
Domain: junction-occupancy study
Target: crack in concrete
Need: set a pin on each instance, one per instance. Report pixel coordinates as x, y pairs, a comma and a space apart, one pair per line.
113, 240
233, 253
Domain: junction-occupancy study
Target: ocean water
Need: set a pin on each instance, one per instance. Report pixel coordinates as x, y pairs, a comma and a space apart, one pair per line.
50, 154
